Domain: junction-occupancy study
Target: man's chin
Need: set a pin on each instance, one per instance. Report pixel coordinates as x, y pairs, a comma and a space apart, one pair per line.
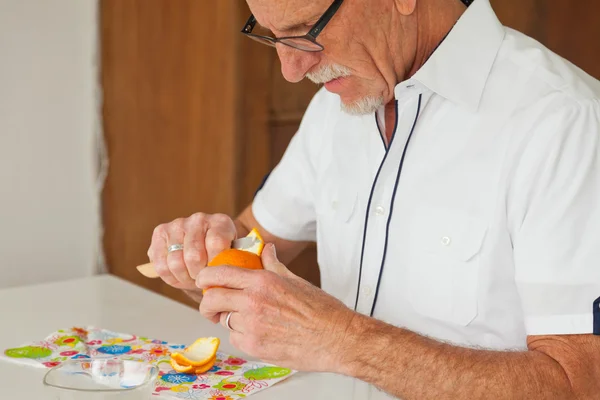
365, 106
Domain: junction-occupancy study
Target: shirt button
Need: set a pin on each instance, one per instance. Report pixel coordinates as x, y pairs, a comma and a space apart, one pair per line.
335, 204
446, 241
367, 291
379, 210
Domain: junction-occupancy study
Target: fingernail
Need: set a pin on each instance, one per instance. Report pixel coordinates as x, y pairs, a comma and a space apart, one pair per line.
274, 250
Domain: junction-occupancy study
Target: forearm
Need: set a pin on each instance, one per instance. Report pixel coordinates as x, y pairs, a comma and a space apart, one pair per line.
411, 366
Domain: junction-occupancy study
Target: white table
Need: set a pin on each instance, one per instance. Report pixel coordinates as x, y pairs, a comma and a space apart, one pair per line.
31, 313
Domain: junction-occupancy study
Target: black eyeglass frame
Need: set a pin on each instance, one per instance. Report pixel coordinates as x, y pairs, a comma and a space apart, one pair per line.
311, 36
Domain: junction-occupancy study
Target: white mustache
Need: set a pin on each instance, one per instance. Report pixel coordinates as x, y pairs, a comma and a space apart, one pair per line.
328, 73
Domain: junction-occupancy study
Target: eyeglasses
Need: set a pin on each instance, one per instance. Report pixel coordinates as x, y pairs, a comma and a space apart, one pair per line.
306, 42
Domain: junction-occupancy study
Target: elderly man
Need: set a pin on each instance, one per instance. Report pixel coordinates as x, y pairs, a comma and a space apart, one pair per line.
449, 172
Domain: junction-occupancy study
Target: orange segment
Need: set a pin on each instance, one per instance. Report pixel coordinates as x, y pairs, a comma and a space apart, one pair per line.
198, 353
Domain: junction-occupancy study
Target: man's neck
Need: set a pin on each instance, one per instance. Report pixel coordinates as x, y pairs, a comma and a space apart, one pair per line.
435, 19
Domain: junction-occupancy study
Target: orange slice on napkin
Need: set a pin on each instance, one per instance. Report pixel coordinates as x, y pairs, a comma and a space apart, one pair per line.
198, 354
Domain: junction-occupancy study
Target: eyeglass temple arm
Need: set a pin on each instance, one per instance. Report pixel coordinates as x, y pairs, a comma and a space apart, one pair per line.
250, 24
316, 30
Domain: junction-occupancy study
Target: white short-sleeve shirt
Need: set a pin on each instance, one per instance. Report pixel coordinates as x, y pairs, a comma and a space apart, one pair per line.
480, 223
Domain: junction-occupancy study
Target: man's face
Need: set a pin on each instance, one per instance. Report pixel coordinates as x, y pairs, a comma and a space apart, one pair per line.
350, 65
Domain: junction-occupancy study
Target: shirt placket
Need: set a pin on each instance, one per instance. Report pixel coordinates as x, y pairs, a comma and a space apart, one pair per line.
380, 209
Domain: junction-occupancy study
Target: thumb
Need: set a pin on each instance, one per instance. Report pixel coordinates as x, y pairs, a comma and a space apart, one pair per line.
270, 261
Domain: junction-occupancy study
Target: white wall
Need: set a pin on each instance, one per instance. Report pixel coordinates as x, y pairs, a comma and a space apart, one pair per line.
49, 223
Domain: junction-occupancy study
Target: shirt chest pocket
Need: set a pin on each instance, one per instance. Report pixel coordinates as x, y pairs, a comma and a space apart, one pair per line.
443, 265
338, 234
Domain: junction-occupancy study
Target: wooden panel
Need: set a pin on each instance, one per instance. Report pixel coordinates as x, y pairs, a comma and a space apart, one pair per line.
523, 15
570, 29
573, 31
255, 99
170, 120
289, 99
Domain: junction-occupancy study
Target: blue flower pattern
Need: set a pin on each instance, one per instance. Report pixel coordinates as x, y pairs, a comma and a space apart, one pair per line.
115, 349
178, 378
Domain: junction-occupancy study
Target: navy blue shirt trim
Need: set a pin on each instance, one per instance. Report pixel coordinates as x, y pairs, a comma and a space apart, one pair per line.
387, 228
597, 316
364, 240
264, 180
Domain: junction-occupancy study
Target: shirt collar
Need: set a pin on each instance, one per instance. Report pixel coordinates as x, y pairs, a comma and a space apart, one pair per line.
459, 68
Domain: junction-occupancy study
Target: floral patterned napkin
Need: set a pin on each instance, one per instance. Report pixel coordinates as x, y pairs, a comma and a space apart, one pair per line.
230, 378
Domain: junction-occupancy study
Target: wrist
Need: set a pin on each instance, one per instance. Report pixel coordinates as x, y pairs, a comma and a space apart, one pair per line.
352, 345
369, 342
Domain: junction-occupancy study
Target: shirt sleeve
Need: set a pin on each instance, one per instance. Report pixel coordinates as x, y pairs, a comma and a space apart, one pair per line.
556, 221
285, 205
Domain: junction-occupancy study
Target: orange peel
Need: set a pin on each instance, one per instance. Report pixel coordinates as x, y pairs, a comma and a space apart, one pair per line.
198, 354
204, 368
181, 368
259, 243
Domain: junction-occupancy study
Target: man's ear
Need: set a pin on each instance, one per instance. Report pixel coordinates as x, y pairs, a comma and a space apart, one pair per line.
405, 7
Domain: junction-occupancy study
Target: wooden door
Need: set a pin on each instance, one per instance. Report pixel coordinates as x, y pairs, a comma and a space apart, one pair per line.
172, 117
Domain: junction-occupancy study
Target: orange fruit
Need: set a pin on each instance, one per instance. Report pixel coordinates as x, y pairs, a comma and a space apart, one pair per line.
248, 257
198, 354
236, 258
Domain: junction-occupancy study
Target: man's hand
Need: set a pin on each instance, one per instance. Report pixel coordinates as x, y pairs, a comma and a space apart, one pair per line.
277, 316
203, 236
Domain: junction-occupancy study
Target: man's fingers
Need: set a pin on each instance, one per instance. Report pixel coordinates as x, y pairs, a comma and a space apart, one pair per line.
157, 253
235, 321
226, 276
194, 247
220, 300
270, 261
175, 261
219, 236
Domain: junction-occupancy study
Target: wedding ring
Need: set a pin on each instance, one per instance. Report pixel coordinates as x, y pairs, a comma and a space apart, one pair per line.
175, 247
227, 321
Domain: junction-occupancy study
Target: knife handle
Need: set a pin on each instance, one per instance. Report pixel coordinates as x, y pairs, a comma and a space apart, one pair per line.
147, 270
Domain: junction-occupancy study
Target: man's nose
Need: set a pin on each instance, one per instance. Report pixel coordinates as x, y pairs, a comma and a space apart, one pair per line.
295, 63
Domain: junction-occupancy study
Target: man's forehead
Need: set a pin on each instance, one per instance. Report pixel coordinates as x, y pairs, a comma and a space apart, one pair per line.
287, 13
